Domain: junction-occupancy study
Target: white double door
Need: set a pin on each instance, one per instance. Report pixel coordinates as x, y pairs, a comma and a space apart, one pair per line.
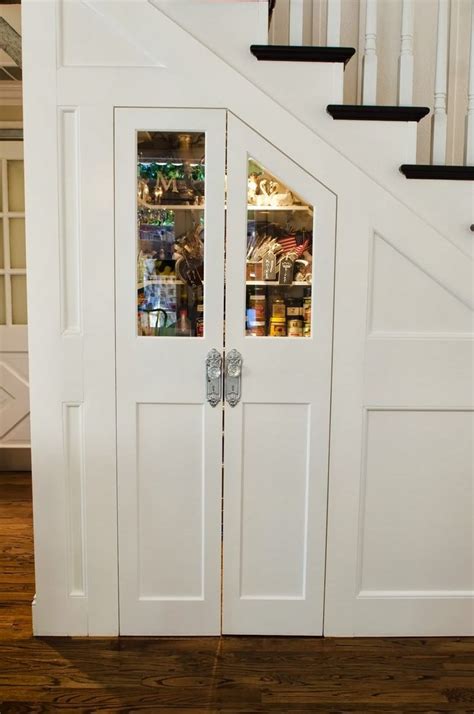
222, 509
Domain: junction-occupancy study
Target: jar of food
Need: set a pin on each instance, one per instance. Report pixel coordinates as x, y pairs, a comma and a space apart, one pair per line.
200, 320
257, 329
294, 327
257, 305
294, 308
277, 327
279, 308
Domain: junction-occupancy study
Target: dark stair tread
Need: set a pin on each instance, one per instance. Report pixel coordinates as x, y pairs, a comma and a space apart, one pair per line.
303, 53
430, 171
370, 112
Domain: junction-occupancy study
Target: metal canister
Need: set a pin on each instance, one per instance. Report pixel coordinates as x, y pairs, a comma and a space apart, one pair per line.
277, 327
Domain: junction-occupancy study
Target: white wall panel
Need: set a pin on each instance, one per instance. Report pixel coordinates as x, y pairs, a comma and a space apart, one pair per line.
416, 507
69, 225
74, 477
407, 299
102, 44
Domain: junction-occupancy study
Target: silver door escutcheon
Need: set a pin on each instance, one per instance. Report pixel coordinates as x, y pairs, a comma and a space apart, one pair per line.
214, 377
233, 377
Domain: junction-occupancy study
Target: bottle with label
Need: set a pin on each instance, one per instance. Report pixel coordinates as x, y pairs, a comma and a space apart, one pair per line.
183, 324
200, 320
307, 313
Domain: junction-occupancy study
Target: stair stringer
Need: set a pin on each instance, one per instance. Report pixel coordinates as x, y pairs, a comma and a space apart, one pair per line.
305, 90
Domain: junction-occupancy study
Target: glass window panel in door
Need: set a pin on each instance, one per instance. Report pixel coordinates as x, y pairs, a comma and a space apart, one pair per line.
19, 311
279, 267
17, 243
170, 239
16, 188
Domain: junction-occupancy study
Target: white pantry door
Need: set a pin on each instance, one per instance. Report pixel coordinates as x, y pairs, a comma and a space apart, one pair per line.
169, 436
276, 438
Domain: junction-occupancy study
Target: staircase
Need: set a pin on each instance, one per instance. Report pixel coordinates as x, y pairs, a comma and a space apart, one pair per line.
308, 82
367, 112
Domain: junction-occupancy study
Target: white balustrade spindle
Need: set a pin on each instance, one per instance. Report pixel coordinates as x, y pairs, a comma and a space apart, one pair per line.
440, 117
405, 76
369, 76
296, 22
470, 99
333, 38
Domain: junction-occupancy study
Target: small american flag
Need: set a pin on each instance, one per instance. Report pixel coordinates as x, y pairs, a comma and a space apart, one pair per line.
296, 244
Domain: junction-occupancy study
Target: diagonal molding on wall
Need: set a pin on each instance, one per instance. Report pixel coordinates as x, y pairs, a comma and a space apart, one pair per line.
16, 408
458, 284
10, 41
117, 17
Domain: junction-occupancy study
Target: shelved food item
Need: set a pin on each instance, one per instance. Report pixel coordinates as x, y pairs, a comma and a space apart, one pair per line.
277, 327
307, 315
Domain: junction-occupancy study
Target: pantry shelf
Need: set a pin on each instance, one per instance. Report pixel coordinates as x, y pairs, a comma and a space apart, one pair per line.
160, 281
260, 283
171, 207
267, 209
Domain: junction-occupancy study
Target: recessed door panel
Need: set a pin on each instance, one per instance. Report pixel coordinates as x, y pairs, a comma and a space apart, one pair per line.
274, 501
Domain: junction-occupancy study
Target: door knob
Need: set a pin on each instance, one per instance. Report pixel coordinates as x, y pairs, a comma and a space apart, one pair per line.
233, 377
214, 377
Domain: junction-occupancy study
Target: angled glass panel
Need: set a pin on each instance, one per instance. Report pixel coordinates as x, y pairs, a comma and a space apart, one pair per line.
279, 268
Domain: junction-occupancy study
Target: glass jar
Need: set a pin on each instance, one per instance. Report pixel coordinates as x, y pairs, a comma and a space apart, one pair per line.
279, 308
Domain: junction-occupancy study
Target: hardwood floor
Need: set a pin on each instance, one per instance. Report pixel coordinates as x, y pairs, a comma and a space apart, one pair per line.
236, 675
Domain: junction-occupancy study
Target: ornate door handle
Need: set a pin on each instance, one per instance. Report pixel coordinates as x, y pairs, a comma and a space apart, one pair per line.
214, 377
233, 377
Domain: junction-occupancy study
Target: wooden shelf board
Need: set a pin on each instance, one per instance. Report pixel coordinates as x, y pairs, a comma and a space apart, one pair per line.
268, 209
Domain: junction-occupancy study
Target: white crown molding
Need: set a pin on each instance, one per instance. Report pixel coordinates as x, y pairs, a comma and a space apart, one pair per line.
11, 93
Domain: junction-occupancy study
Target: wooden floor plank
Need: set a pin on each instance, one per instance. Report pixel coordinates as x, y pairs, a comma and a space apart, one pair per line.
233, 675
